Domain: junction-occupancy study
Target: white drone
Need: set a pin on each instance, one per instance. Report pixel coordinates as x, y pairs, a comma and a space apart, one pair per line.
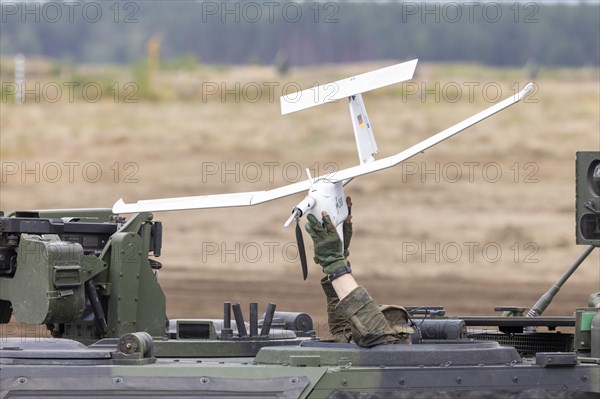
326, 193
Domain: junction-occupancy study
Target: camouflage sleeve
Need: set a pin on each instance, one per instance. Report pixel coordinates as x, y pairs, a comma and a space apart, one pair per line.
338, 324
367, 322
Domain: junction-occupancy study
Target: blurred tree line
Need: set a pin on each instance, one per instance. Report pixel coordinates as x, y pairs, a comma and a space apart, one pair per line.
307, 32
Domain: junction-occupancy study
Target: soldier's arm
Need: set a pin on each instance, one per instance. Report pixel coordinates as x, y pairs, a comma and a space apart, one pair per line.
369, 326
343, 285
346, 283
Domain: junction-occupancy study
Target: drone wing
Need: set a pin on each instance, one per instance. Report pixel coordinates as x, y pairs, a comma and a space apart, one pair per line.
393, 160
348, 87
258, 197
210, 201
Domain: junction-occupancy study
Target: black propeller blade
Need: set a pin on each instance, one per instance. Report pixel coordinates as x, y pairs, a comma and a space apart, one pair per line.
301, 249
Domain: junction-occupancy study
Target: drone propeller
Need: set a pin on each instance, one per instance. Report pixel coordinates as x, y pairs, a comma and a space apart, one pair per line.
301, 249
297, 214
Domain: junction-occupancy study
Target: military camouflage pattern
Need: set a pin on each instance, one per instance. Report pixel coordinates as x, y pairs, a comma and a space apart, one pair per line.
327, 243
341, 329
369, 326
338, 324
347, 229
397, 318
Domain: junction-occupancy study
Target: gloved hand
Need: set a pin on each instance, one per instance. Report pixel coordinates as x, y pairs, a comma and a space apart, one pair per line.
347, 228
327, 243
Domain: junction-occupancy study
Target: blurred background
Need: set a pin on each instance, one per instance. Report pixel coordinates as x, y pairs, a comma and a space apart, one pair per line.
137, 99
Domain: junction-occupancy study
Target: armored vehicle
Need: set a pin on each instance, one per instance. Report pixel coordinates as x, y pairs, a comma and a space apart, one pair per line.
85, 274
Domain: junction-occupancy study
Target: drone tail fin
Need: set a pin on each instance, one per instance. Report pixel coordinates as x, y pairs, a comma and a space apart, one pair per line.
352, 89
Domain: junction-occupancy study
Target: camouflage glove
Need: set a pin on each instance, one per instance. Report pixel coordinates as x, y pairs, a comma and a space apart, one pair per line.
328, 246
348, 228
347, 237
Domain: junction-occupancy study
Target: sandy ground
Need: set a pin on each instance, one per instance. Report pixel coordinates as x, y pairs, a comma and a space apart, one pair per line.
484, 219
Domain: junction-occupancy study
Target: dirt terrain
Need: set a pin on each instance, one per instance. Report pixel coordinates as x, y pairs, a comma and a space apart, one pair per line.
485, 218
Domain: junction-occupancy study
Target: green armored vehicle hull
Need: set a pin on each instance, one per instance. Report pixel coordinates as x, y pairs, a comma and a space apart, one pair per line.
309, 370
